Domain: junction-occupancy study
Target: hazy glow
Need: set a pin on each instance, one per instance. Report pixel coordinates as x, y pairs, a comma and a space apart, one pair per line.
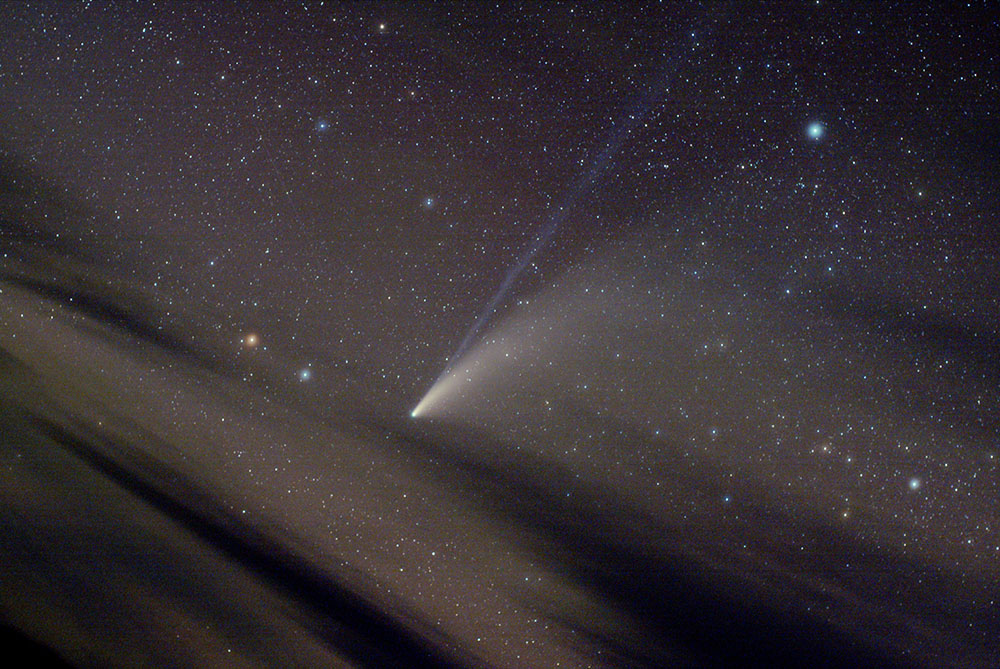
486, 360
482, 377
474, 366
440, 390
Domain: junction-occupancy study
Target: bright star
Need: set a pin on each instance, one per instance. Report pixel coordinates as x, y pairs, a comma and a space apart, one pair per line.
305, 374
816, 130
915, 483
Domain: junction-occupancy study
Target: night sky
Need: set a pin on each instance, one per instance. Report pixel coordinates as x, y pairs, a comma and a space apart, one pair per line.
509, 335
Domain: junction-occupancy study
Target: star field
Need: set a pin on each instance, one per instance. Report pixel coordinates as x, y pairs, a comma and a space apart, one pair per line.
465, 334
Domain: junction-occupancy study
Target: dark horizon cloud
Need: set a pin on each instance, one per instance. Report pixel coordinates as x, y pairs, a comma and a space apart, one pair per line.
651, 577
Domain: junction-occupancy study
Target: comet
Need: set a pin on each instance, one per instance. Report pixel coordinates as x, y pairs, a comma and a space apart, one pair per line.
645, 110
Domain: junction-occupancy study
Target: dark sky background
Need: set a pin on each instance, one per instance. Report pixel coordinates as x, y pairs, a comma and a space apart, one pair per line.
736, 402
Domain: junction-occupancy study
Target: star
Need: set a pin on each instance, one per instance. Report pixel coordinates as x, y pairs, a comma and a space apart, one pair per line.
251, 340
305, 374
816, 130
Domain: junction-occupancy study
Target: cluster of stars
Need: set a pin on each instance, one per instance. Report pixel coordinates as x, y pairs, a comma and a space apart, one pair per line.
775, 291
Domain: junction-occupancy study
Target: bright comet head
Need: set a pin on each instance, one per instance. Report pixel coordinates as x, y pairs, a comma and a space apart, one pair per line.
426, 401
444, 388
